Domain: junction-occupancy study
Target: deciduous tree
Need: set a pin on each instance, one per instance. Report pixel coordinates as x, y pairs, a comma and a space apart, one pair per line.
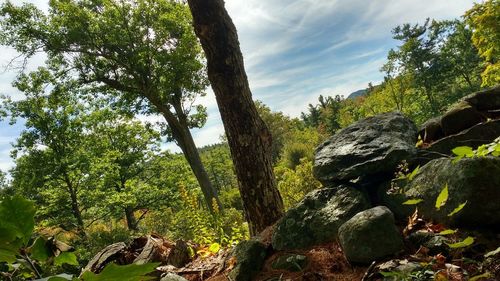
143, 51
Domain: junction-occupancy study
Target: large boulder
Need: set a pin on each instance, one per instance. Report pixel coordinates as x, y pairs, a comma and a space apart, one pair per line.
317, 217
370, 235
472, 180
370, 148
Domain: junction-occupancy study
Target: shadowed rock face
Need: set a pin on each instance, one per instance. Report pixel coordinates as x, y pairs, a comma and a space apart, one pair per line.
370, 148
482, 133
370, 235
317, 218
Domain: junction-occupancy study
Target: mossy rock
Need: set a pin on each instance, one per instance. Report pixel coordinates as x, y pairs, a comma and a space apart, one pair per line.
317, 218
250, 256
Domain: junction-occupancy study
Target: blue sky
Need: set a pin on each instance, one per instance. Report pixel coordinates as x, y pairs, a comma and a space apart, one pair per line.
294, 51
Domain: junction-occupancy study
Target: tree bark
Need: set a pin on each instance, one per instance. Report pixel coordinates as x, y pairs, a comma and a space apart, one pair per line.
75, 206
183, 137
131, 220
248, 136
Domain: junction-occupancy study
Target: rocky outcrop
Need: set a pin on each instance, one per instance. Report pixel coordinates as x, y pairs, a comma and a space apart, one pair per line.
369, 149
469, 111
479, 134
370, 235
317, 218
472, 180
487, 102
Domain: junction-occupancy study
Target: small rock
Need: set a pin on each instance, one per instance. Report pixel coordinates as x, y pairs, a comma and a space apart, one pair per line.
370, 235
435, 243
290, 262
317, 217
250, 256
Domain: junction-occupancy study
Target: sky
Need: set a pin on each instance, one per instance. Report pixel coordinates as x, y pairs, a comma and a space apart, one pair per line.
294, 51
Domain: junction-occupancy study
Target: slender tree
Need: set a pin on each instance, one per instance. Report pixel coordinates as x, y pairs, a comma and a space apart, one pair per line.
248, 137
53, 164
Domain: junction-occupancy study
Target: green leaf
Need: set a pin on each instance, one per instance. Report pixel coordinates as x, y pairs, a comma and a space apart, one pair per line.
442, 197
462, 244
413, 173
482, 151
457, 209
484, 275
7, 255
66, 258
214, 248
16, 220
412, 201
39, 250
463, 151
454, 161
447, 232
492, 253
130, 272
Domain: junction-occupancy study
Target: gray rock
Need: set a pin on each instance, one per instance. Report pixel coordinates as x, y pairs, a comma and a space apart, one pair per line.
369, 149
460, 117
250, 256
290, 262
317, 217
172, 277
472, 180
434, 242
475, 136
370, 235
486, 101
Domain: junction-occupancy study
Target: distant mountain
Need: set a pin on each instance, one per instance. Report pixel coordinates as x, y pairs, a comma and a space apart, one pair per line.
358, 93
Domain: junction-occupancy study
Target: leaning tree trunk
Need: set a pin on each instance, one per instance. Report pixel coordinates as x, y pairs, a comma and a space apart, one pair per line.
188, 147
183, 137
248, 137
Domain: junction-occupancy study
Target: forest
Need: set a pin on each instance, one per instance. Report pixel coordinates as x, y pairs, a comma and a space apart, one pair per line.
91, 170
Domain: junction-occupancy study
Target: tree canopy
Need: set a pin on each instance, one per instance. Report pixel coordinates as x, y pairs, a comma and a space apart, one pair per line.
142, 53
